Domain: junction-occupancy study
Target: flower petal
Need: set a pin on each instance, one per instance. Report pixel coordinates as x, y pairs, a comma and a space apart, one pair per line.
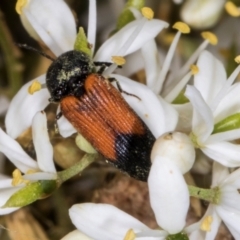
113, 44
53, 22
76, 235
185, 112
151, 62
5, 211
43, 147
103, 221
195, 229
231, 220
215, 223
169, 195
23, 108
229, 105
219, 173
159, 115
211, 76
230, 198
224, 152
15, 153
202, 123
233, 179
66, 129
152, 234
224, 136
6, 191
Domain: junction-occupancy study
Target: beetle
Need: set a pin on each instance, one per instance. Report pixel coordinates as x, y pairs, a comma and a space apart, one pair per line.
97, 110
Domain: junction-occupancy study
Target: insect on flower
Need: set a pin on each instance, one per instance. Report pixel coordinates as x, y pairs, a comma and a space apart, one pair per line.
98, 111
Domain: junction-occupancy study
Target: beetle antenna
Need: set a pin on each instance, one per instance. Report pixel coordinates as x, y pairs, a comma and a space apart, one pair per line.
25, 46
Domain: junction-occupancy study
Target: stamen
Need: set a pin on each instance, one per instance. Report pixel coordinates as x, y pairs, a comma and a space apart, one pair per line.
182, 27
193, 57
119, 60
17, 178
177, 88
130, 235
122, 51
167, 62
34, 87
206, 224
136, 13
92, 23
20, 5
232, 9
194, 69
211, 37
147, 13
237, 59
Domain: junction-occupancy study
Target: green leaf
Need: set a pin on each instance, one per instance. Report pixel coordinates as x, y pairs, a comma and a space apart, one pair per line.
31, 192
81, 43
230, 123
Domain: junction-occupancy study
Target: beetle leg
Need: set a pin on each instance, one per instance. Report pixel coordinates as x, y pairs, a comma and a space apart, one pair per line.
121, 90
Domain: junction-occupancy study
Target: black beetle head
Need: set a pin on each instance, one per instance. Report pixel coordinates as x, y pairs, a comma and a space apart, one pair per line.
66, 75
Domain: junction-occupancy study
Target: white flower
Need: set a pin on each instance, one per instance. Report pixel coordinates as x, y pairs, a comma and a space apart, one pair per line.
44, 167
130, 38
169, 199
214, 98
227, 210
47, 25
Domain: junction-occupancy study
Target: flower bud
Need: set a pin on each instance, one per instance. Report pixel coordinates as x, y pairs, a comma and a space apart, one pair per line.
31, 192
178, 148
84, 145
202, 14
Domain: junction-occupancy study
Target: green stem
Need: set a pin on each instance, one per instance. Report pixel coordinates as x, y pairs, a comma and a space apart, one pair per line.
212, 195
76, 168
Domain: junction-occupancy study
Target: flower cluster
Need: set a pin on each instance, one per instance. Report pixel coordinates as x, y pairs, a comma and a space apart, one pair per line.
185, 116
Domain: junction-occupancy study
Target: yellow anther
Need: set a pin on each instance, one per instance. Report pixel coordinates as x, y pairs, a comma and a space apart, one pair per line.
237, 59
206, 224
119, 60
34, 87
194, 69
17, 177
232, 9
182, 27
147, 13
211, 37
20, 5
130, 235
